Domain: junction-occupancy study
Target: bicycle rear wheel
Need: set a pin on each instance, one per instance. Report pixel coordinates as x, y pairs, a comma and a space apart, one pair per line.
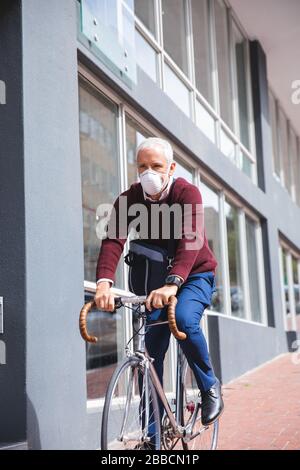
130, 397
205, 437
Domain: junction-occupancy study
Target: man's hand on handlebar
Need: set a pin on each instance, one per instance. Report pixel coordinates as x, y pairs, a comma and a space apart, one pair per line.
158, 298
104, 299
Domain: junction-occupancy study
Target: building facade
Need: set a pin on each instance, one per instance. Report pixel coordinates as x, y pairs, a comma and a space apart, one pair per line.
82, 83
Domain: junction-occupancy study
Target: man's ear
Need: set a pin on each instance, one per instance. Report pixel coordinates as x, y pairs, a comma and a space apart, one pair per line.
172, 168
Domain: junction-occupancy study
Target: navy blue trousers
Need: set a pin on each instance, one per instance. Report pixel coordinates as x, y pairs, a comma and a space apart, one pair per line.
193, 297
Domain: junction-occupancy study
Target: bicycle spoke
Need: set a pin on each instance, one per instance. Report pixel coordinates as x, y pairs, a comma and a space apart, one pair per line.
131, 419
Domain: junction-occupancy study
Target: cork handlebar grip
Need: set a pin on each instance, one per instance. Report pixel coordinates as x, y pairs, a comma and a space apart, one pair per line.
82, 322
172, 319
93, 339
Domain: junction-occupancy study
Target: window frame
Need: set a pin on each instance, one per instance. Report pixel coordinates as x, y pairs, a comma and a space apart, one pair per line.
190, 83
290, 253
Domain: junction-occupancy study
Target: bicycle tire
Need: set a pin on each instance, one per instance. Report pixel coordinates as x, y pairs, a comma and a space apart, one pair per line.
132, 363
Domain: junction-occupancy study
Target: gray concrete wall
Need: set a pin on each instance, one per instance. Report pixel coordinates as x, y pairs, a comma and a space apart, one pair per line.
12, 236
55, 357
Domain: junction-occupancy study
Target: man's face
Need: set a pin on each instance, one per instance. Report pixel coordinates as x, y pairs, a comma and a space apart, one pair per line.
154, 159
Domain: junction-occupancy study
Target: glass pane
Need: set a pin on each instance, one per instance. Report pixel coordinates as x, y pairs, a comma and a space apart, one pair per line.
109, 26
296, 290
286, 292
223, 58
135, 134
184, 171
234, 260
202, 49
205, 121
102, 357
174, 32
241, 81
297, 174
294, 163
274, 130
246, 164
254, 289
144, 10
227, 146
212, 228
146, 56
283, 149
100, 184
177, 91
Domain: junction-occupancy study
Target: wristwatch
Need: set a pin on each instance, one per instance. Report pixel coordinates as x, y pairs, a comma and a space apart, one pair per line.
173, 279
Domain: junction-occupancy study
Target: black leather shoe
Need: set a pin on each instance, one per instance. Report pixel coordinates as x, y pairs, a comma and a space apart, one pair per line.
212, 404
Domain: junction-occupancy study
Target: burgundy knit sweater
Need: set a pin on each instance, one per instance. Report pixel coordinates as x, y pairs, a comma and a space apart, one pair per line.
186, 261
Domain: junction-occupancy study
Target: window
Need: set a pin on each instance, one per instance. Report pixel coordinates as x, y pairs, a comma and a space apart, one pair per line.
253, 270
212, 228
100, 184
135, 134
177, 91
202, 48
295, 170
273, 119
283, 149
290, 269
234, 260
205, 121
297, 173
144, 10
146, 56
223, 60
183, 171
174, 32
296, 288
227, 146
240, 56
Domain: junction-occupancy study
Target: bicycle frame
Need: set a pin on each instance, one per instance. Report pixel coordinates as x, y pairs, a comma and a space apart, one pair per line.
142, 353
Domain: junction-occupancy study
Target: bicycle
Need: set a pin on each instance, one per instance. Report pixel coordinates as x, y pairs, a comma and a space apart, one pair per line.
131, 417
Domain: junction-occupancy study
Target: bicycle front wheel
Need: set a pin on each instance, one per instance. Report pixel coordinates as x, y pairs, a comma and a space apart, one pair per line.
131, 418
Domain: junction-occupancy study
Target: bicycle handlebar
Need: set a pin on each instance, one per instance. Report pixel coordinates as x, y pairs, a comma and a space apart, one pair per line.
119, 301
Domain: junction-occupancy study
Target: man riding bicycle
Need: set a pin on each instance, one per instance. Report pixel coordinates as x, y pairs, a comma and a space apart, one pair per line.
191, 277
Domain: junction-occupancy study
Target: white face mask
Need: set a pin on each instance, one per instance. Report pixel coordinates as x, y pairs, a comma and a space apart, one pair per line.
153, 182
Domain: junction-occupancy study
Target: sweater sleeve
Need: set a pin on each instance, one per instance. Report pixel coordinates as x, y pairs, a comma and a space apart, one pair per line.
112, 246
192, 235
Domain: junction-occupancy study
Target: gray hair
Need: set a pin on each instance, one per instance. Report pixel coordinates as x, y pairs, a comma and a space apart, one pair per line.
153, 142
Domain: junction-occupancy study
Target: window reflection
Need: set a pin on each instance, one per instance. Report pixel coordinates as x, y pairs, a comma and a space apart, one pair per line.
254, 289
174, 31
212, 227
202, 49
283, 149
135, 134
144, 10
177, 91
223, 59
100, 184
234, 260
146, 56
183, 171
286, 291
241, 82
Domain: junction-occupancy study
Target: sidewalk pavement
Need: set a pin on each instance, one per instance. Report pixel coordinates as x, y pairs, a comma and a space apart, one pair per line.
262, 407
